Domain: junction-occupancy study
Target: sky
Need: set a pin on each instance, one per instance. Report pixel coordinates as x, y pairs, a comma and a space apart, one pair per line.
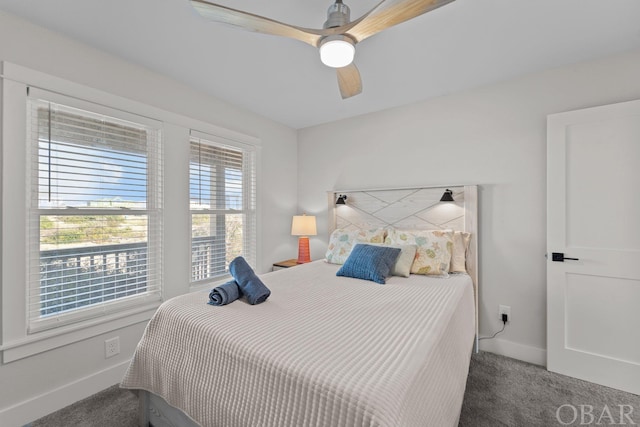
78, 175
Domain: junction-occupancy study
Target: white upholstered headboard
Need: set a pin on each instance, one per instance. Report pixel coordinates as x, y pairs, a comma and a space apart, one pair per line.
412, 208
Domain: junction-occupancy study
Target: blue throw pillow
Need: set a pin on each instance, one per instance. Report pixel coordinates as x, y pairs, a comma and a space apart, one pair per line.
370, 262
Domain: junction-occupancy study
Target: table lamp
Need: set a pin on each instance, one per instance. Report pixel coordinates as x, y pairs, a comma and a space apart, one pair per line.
303, 226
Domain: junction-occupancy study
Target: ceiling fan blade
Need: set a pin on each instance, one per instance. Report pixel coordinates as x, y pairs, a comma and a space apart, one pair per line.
260, 24
389, 13
349, 81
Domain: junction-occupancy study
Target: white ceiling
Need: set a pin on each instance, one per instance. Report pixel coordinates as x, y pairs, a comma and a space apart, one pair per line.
465, 44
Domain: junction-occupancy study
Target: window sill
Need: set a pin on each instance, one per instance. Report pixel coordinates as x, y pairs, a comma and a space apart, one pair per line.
53, 338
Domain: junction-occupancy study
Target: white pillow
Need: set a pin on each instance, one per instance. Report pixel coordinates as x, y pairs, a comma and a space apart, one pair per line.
461, 241
403, 264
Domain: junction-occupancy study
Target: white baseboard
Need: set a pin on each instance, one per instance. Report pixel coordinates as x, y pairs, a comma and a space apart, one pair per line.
30, 410
535, 355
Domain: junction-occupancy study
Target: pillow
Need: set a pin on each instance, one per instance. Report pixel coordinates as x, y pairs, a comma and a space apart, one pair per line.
342, 241
433, 255
370, 262
402, 266
459, 256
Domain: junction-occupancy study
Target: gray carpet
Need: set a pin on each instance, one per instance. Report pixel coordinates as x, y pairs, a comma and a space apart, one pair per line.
113, 407
500, 392
507, 392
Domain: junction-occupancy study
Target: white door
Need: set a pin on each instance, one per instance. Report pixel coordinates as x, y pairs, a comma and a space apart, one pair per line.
593, 214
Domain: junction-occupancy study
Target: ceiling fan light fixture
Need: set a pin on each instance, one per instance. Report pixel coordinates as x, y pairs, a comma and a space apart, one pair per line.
337, 51
338, 36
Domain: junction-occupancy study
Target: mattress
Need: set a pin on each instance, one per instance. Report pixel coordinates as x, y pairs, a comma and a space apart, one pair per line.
321, 351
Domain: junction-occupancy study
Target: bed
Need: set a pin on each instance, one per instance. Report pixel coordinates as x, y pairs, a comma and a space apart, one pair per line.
323, 350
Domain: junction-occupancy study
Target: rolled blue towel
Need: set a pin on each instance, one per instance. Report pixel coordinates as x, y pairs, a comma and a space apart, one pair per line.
250, 285
224, 294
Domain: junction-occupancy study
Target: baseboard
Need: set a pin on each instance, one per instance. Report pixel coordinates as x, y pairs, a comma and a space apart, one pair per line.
537, 356
30, 410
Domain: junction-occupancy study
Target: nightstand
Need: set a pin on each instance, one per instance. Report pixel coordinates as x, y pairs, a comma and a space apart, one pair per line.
284, 264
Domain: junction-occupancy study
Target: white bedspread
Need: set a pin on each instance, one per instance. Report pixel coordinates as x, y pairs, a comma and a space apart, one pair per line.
321, 351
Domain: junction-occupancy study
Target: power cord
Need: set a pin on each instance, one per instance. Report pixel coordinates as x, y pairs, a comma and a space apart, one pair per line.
505, 319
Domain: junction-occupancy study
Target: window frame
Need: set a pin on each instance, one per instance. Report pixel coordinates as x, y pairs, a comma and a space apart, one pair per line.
15, 343
249, 202
152, 212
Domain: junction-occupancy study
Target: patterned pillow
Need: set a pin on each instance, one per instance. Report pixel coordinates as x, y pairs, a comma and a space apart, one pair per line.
370, 262
342, 241
435, 247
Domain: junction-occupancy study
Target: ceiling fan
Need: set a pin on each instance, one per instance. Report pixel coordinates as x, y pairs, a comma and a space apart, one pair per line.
338, 37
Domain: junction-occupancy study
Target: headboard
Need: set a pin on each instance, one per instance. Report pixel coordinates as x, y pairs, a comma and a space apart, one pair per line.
412, 208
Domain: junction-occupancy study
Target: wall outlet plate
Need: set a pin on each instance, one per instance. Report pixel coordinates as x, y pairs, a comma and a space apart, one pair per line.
504, 309
111, 347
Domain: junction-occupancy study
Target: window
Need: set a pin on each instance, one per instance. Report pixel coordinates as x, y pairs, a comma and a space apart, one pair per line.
223, 206
94, 211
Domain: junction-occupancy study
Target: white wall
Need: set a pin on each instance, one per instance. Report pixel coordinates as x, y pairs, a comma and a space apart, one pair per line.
39, 384
495, 137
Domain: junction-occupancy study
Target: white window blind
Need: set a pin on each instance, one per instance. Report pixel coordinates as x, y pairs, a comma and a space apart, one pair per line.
94, 210
222, 191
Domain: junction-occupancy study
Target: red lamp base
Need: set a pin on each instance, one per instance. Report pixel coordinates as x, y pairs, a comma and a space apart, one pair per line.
304, 255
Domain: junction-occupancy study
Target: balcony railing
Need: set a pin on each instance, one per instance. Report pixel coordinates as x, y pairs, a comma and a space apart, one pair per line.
78, 277
207, 261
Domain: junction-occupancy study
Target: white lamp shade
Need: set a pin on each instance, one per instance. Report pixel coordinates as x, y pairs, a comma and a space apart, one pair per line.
337, 53
303, 225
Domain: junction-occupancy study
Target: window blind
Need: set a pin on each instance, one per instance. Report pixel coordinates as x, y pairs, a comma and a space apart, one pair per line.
222, 187
95, 223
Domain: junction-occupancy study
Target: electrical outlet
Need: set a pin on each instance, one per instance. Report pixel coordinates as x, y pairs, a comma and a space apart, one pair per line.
504, 309
111, 347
